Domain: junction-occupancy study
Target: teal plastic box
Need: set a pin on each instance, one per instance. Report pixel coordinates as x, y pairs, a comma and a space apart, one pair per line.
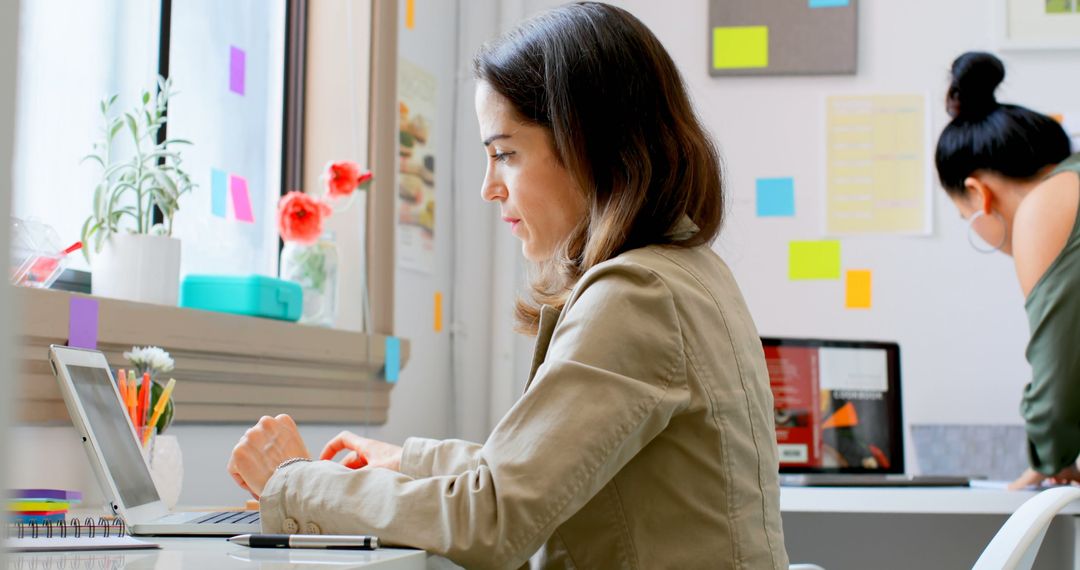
253, 295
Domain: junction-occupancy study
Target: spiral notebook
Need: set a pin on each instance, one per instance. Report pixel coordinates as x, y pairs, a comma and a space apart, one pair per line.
74, 534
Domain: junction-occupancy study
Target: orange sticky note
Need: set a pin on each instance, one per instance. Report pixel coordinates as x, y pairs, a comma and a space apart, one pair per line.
410, 14
858, 289
438, 311
1058, 117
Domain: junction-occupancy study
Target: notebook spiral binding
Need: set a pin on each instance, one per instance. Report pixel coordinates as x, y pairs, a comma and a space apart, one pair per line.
87, 527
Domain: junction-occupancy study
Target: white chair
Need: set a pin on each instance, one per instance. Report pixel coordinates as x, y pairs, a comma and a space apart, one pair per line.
1014, 546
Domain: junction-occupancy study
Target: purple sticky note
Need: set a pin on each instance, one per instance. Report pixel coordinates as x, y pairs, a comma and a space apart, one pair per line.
236, 69
241, 200
83, 323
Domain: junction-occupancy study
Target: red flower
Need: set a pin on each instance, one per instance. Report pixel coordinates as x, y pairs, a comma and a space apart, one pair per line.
300, 217
344, 177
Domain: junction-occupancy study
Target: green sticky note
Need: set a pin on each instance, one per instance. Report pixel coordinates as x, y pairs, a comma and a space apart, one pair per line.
813, 260
741, 47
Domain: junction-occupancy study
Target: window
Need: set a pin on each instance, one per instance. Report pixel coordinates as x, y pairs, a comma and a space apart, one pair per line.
72, 54
227, 63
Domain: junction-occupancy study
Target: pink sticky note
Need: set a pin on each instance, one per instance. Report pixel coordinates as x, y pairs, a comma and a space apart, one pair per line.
237, 65
83, 323
240, 198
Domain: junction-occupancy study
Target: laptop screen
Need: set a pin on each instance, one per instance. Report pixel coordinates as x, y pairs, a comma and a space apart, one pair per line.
836, 405
110, 427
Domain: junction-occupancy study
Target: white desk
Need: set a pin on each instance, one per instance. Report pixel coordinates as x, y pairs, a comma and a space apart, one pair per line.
217, 554
902, 528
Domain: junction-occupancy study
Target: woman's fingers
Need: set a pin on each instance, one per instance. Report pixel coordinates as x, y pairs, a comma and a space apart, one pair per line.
354, 460
336, 445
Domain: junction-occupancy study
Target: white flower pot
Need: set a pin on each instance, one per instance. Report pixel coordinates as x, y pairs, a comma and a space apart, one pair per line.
138, 267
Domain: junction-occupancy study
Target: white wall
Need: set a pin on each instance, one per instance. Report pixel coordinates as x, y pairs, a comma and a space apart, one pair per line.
957, 314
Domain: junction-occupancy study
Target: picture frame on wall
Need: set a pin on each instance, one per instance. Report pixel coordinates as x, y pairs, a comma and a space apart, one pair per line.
1038, 24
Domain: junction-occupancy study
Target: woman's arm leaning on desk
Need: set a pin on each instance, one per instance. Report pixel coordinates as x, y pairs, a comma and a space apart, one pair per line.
614, 377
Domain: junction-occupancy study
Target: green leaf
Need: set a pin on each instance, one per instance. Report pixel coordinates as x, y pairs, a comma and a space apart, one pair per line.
177, 141
95, 157
133, 126
99, 199
145, 97
115, 128
112, 99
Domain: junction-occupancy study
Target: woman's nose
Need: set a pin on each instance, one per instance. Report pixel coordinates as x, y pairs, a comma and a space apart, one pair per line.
492, 190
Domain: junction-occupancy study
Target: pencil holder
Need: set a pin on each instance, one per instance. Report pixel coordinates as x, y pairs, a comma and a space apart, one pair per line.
167, 468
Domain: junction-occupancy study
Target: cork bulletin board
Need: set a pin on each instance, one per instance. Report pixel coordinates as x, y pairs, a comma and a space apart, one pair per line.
782, 37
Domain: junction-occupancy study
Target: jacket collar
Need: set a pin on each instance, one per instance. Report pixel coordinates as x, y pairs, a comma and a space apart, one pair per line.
684, 229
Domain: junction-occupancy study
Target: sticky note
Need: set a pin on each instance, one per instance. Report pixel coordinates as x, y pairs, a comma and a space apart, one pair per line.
241, 198
814, 260
438, 312
410, 14
1060, 118
775, 197
393, 358
740, 47
217, 192
828, 3
237, 69
83, 322
858, 289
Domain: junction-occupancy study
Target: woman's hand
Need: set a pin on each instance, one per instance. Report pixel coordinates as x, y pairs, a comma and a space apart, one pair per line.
363, 452
262, 449
1032, 478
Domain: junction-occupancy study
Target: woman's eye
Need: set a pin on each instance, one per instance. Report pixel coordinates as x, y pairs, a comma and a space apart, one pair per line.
501, 156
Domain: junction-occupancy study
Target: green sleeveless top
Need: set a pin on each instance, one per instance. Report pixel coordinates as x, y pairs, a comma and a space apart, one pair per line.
1051, 403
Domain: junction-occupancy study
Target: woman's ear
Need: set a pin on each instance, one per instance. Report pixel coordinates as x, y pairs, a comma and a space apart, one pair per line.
979, 194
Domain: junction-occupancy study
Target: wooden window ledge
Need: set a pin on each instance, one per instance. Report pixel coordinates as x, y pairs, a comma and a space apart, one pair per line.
229, 368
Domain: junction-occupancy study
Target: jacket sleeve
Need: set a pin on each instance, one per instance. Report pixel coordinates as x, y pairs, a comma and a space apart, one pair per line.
1051, 402
613, 378
422, 457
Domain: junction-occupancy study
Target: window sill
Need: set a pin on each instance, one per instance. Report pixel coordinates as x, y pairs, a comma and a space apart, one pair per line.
229, 368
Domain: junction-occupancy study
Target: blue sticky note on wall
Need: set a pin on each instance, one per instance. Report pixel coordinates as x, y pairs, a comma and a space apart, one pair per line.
775, 197
393, 358
828, 3
218, 184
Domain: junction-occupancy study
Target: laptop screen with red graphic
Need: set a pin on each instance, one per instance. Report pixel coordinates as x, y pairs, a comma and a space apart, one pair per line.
836, 405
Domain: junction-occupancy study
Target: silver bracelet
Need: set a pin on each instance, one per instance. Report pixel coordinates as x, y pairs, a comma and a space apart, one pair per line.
289, 462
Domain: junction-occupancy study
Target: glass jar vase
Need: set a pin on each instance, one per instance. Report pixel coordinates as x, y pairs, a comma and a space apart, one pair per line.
314, 267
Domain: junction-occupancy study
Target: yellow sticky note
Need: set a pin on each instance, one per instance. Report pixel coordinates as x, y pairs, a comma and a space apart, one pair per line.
438, 312
814, 260
410, 14
740, 47
858, 289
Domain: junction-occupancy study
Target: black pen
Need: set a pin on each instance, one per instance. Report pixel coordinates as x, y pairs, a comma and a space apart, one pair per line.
334, 541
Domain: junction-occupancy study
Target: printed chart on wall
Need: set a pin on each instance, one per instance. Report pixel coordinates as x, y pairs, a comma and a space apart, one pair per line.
876, 172
416, 171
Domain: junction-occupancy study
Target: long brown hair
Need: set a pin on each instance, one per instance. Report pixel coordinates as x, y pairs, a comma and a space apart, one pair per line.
623, 127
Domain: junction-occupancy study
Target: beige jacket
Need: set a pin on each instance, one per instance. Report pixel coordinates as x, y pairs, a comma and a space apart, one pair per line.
644, 440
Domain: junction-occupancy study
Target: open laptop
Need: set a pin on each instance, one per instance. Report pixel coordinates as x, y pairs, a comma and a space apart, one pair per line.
837, 409
108, 436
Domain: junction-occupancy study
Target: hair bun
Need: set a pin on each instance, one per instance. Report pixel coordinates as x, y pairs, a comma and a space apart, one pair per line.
975, 77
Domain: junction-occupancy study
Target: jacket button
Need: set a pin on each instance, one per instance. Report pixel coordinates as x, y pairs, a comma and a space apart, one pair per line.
290, 526
312, 528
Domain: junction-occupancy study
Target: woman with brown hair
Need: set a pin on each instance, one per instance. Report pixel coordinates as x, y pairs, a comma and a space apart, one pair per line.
644, 438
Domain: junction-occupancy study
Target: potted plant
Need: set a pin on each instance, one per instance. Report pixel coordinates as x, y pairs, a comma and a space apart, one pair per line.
133, 257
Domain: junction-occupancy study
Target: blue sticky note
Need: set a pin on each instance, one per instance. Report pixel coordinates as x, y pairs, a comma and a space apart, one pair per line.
218, 185
828, 3
775, 197
393, 358
83, 323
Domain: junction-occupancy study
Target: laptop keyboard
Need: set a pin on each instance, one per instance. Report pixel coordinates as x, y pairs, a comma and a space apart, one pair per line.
229, 517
